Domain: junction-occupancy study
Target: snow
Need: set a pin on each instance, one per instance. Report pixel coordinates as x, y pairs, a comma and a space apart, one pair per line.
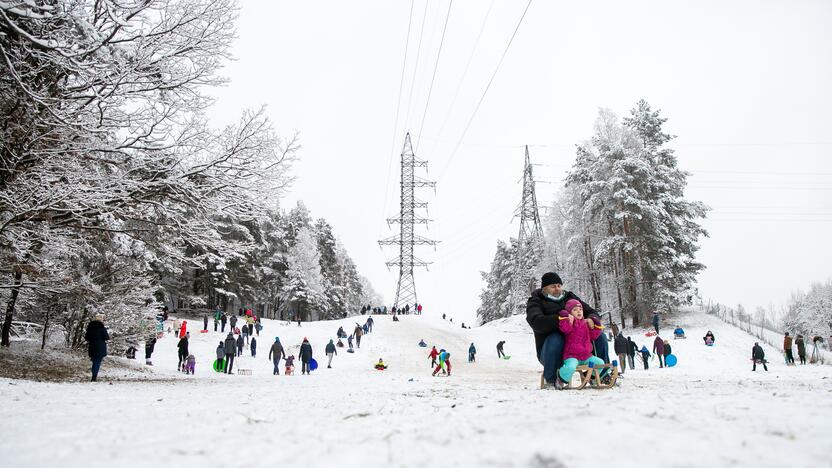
709, 410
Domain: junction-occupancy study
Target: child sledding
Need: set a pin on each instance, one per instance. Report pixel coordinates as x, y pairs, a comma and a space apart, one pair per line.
709, 339
577, 352
380, 365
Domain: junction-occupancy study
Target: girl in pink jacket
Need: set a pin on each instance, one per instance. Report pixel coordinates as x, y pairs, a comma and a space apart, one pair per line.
579, 333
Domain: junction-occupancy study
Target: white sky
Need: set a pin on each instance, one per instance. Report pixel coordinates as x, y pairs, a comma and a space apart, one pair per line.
745, 85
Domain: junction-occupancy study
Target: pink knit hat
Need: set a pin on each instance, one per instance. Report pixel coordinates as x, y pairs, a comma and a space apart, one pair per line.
571, 304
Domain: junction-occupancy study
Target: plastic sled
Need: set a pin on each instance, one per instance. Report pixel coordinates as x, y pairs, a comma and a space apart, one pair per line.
651, 333
313, 364
679, 337
243, 371
670, 360
350, 350
506, 357
219, 365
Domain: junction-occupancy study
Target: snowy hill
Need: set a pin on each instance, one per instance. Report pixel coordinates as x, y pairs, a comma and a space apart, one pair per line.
709, 408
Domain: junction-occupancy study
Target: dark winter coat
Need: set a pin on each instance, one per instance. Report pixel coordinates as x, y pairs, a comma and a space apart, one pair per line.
620, 345
655, 320
220, 352
253, 345
667, 350
97, 338
658, 346
787, 343
305, 353
801, 346
276, 352
757, 353
230, 344
330, 348
631, 347
183, 346
149, 345
233, 321
240, 342
542, 314
224, 319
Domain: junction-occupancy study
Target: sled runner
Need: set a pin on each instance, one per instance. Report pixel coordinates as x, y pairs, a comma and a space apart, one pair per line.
243, 371
506, 357
589, 375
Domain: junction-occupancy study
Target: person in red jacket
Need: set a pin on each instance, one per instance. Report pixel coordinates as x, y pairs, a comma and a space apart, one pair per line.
183, 329
433, 355
658, 350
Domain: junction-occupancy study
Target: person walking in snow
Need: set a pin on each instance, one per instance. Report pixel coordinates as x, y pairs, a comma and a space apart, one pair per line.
205, 322
223, 321
305, 355
542, 312
801, 348
787, 347
253, 346
658, 350
183, 352
275, 353
632, 349
500, 353
667, 350
97, 337
656, 321
645, 357
370, 323
258, 326
358, 332
217, 316
232, 322
577, 349
244, 333
349, 342
472, 353
620, 346
758, 356
230, 351
330, 353
220, 351
444, 364
149, 345
432, 356
240, 344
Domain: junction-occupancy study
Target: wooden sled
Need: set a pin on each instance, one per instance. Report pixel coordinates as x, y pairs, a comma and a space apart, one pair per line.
243, 371
589, 375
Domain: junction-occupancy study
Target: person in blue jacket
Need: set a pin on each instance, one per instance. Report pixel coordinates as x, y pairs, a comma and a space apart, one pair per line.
645, 356
330, 353
472, 353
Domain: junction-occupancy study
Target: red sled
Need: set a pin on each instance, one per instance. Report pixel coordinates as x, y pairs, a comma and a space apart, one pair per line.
650, 333
236, 330
203, 331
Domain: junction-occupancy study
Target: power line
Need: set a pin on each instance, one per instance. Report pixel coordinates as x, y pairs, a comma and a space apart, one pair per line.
485, 91
464, 75
416, 66
433, 78
396, 121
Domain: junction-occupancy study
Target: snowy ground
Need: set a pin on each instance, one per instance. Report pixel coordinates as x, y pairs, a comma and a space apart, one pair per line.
709, 410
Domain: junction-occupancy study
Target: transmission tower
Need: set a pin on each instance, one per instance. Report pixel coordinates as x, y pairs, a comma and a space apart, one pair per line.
407, 219
529, 240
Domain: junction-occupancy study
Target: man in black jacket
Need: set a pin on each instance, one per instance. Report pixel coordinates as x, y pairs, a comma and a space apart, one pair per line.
620, 345
758, 355
632, 349
97, 337
542, 314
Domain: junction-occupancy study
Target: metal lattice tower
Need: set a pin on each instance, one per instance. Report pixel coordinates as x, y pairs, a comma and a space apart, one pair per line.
407, 219
529, 240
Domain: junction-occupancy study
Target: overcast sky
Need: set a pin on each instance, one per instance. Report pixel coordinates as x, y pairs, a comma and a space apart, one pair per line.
745, 86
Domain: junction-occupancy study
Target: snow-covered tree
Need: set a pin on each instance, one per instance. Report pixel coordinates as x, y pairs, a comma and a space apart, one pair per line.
304, 283
810, 313
495, 298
